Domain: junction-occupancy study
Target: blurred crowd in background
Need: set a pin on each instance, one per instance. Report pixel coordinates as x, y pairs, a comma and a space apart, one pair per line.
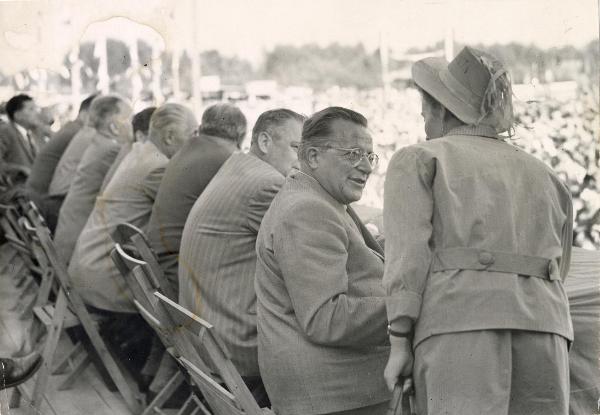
555, 98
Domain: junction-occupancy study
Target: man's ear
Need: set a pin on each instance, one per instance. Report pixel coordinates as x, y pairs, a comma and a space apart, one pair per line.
114, 130
312, 157
169, 137
264, 142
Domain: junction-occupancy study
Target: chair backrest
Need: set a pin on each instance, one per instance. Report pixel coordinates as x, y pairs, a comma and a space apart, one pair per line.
13, 232
193, 340
235, 398
126, 264
48, 283
133, 238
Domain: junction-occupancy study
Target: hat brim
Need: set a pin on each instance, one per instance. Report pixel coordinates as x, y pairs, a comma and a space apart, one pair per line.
426, 74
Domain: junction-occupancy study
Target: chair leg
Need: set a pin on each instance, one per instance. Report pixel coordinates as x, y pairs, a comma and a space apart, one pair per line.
200, 407
45, 288
62, 366
25, 314
54, 331
164, 394
79, 366
126, 387
15, 399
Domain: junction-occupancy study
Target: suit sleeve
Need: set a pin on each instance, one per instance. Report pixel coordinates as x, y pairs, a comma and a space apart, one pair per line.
152, 182
259, 203
311, 251
407, 218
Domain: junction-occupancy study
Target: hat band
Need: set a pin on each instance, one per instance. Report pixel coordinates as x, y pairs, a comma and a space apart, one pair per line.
465, 95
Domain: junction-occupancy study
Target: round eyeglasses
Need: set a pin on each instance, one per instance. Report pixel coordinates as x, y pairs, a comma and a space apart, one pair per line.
356, 155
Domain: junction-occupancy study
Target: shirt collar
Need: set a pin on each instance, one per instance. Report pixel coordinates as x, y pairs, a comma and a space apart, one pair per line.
478, 130
22, 130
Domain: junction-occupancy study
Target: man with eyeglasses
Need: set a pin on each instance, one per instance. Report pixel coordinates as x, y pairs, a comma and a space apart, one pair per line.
320, 302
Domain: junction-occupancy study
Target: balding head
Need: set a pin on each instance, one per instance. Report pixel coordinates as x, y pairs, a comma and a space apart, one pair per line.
109, 115
171, 125
225, 121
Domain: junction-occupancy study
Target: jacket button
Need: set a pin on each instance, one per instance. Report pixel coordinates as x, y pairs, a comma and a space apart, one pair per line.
486, 258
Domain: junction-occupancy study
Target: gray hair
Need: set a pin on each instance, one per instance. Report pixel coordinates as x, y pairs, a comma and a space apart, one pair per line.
173, 116
225, 121
274, 118
102, 108
317, 132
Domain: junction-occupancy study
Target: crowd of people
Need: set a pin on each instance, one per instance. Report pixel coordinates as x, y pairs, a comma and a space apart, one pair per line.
266, 245
562, 133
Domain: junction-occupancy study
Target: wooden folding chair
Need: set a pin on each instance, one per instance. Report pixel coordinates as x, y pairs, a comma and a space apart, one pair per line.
43, 309
68, 297
125, 235
126, 263
197, 348
28, 270
232, 398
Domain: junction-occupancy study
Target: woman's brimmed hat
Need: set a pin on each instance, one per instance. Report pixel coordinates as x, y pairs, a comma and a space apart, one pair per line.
475, 87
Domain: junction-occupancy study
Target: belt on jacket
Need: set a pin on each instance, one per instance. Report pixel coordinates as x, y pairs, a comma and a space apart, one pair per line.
486, 260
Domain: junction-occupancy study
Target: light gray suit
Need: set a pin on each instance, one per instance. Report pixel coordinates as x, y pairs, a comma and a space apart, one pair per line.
321, 306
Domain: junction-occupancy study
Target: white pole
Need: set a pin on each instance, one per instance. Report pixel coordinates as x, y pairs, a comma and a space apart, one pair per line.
196, 90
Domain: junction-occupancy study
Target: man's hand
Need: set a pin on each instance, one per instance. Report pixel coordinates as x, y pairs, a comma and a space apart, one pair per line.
400, 362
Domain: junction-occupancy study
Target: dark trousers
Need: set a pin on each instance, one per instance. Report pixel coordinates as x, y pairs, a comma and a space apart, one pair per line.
49, 207
257, 389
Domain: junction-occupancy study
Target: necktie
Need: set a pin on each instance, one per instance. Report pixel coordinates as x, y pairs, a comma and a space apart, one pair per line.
31, 144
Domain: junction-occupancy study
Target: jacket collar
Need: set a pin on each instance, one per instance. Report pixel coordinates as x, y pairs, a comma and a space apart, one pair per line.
302, 181
478, 130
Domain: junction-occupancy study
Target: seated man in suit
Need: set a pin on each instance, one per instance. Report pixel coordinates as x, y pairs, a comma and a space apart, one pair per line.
222, 129
109, 118
128, 197
17, 142
320, 301
218, 256
141, 124
45, 164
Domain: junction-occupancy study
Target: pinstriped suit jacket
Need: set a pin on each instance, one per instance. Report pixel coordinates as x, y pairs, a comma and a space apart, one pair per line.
217, 256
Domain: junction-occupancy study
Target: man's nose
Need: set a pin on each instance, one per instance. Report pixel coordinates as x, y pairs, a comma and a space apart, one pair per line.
364, 166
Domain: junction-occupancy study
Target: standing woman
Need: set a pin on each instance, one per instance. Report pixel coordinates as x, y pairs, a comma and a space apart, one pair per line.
478, 242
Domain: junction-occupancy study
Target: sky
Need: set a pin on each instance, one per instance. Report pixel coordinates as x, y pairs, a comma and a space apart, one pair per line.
38, 33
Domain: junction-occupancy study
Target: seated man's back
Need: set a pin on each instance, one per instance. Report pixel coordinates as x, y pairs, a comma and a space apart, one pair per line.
217, 258
186, 176
64, 172
127, 198
79, 202
218, 249
109, 118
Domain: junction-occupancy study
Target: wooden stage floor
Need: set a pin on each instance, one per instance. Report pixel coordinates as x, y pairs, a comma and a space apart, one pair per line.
89, 395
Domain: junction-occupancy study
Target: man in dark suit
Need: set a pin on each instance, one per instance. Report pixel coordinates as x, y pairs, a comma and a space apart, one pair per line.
49, 155
218, 257
320, 302
17, 145
222, 129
